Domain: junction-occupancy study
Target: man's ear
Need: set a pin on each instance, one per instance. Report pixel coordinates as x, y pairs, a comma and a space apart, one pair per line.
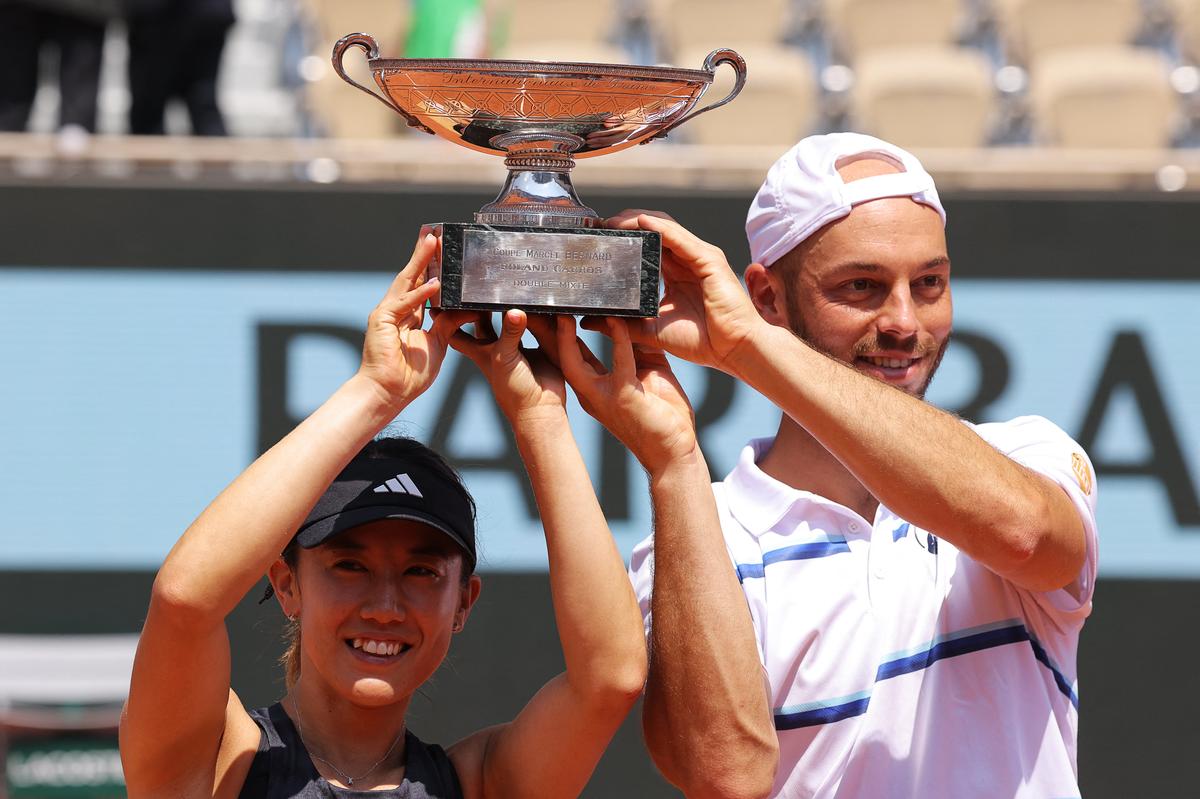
467, 598
287, 587
766, 291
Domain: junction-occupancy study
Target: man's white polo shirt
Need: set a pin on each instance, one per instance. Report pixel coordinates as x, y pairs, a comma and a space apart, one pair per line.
898, 667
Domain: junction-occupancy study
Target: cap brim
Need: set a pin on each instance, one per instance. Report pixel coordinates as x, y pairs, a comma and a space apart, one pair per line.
322, 530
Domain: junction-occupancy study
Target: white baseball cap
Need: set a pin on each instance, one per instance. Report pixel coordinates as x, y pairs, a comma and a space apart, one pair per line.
803, 191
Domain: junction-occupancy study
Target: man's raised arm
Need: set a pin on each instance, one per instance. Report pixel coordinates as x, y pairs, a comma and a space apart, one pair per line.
707, 718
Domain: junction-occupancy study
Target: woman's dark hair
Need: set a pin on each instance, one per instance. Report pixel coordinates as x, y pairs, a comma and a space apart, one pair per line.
401, 447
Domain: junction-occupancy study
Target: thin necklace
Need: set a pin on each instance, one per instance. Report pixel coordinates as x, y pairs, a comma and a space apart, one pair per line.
346, 778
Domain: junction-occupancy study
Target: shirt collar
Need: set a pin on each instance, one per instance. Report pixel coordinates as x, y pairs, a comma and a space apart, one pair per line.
757, 500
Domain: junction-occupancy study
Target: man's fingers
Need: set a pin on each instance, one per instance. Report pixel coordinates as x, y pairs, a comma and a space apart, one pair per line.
445, 323
643, 332
412, 272
484, 331
574, 354
543, 328
570, 358
590, 358
628, 219
673, 272
650, 357
623, 361
595, 323
447, 328
639, 331
579, 365
468, 345
690, 251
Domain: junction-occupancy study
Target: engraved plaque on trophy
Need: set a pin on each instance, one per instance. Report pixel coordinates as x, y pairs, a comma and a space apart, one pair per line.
536, 246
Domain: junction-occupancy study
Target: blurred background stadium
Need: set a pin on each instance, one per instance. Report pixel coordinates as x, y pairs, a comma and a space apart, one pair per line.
172, 302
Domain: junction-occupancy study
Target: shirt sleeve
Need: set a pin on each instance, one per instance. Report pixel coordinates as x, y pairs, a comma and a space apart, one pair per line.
641, 574
1038, 444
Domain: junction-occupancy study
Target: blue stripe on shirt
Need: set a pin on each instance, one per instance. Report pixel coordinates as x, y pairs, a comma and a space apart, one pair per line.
1060, 679
949, 649
823, 714
814, 549
962, 642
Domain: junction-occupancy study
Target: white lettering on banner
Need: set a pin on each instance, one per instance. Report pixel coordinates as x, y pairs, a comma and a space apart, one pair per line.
64, 768
213, 366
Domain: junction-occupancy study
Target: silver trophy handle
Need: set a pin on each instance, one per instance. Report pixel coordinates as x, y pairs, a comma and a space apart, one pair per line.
366, 42
714, 60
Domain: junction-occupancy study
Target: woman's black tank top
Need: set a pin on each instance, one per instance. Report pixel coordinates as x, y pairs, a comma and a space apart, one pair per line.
282, 768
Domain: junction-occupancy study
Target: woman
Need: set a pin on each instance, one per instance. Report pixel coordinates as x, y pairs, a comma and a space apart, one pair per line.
377, 580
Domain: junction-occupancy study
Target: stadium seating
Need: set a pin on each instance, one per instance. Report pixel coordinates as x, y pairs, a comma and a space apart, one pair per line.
861, 26
777, 106
1033, 28
534, 21
925, 97
566, 50
692, 25
1103, 97
338, 109
1186, 15
887, 66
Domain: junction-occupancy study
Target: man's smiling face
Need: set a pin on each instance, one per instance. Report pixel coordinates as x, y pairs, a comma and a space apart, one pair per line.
873, 289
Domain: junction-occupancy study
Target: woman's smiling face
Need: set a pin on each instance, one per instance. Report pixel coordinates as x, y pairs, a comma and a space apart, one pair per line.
377, 606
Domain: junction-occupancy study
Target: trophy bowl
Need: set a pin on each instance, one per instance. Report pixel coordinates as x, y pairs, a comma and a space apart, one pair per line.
536, 246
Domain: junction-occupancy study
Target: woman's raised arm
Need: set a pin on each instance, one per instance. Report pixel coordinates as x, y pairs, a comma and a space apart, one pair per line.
183, 733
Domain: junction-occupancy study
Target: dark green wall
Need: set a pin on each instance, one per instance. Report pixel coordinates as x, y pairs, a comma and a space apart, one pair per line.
1147, 237
1139, 736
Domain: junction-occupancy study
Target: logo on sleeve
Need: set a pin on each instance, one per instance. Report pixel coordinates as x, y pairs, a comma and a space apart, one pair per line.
1083, 473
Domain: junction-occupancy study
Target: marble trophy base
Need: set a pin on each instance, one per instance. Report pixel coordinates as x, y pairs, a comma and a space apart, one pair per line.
580, 271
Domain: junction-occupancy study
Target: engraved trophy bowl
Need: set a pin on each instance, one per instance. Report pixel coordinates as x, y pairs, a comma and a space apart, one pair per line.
536, 246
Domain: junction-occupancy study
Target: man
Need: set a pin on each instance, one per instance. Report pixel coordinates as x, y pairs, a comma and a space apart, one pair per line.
915, 584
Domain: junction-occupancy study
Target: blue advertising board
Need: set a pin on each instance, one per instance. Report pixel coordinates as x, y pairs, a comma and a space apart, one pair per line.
131, 397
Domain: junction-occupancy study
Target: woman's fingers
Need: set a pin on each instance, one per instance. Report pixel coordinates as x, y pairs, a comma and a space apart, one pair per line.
412, 272
512, 327
408, 308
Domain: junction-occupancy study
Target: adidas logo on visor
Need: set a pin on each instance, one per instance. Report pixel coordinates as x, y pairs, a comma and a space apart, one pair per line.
400, 484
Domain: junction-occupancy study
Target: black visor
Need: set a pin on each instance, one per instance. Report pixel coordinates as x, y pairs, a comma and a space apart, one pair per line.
370, 489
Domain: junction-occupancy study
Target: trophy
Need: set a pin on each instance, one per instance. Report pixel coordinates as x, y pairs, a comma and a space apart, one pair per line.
536, 246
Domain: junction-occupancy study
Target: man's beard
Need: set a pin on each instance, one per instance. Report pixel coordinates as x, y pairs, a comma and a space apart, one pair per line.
880, 342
